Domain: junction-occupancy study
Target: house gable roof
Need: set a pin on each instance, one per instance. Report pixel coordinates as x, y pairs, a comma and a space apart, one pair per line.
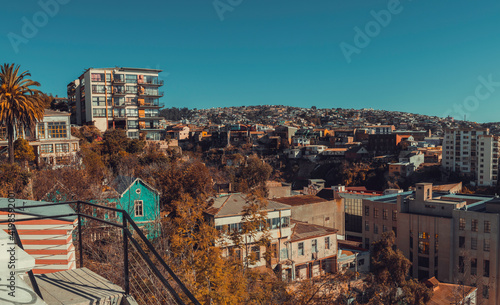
123, 183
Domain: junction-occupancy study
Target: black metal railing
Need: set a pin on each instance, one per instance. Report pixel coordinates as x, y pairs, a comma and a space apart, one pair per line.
127, 236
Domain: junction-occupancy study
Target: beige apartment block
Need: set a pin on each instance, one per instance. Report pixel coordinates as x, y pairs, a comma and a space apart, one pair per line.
453, 237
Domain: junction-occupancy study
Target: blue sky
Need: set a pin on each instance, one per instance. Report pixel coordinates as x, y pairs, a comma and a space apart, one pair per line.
431, 57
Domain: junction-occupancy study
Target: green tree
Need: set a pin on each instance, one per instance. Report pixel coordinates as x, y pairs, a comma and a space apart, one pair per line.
20, 104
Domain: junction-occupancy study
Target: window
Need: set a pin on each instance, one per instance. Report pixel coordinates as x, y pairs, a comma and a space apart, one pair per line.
473, 225
47, 148
314, 246
423, 261
486, 245
487, 226
486, 268
132, 112
375, 228
41, 130
384, 214
63, 160
285, 222
384, 229
367, 211
57, 129
473, 266
118, 77
473, 243
99, 112
461, 264
131, 89
367, 226
395, 230
255, 253
133, 135
436, 243
119, 101
131, 78
461, 241
375, 213
423, 235
461, 224
486, 293
101, 101
138, 208
274, 250
394, 215
367, 243
423, 247
149, 113
133, 124
301, 248
75, 146
327, 242
62, 148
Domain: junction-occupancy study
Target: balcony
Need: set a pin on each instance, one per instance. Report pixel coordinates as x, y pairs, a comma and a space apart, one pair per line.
155, 82
119, 92
118, 80
149, 93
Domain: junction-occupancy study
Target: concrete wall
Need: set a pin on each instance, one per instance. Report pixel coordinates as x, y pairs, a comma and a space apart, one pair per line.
329, 214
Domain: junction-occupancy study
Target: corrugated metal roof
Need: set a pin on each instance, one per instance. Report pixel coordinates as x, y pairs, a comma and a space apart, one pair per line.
22, 206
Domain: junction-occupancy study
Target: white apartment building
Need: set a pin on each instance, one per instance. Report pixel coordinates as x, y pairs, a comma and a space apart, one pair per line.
461, 150
298, 250
122, 98
52, 141
487, 171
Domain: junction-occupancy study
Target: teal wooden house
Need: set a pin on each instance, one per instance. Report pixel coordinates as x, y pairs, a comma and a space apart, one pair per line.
140, 200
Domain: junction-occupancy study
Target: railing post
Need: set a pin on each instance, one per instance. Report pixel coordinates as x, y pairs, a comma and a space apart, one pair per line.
80, 243
125, 256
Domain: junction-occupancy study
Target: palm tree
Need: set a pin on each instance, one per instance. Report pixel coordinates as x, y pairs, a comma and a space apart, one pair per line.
20, 105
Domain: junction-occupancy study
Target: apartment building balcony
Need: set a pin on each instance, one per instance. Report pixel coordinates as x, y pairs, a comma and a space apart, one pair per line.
119, 80
119, 92
150, 117
156, 82
150, 94
148, 105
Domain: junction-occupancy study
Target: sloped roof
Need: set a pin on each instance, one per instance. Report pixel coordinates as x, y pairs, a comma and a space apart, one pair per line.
123, 183
22, 206
444, 293
303, 230
233, 204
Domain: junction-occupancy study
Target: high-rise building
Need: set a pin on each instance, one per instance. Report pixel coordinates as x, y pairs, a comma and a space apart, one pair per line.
487, 159
122, 98
453, 237
462, 152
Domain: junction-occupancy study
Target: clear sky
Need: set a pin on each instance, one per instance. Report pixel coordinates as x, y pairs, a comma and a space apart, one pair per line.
422, 56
